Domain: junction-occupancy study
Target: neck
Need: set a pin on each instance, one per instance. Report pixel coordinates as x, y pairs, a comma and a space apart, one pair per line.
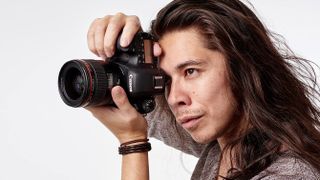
232, 134
226, 162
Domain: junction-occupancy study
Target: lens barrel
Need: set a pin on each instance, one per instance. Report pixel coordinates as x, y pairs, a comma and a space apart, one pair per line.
84, 83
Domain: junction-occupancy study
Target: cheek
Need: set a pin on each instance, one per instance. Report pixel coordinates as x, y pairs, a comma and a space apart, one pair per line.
209, 89
216, 98
221, 111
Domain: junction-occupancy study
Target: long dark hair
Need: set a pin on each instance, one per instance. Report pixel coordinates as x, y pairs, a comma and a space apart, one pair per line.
275, 90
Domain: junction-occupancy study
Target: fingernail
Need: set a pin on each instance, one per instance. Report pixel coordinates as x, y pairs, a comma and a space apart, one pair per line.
124, 42
109, 54
118, 92
103, 57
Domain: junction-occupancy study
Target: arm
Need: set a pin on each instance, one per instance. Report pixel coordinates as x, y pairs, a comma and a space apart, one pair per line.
124, 121
289, 166
127, 125
135, 166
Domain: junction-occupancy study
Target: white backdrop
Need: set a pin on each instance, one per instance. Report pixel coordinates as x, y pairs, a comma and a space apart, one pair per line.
42, 138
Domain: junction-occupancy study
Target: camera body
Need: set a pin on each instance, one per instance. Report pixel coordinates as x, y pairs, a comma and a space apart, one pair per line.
86, 82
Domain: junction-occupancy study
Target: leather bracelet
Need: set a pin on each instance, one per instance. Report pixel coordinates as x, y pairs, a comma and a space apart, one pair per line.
134, 141
134, 148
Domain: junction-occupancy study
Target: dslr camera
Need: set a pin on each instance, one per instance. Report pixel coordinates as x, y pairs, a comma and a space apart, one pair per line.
88, 82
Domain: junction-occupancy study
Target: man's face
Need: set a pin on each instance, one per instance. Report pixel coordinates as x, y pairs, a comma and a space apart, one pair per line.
199, 94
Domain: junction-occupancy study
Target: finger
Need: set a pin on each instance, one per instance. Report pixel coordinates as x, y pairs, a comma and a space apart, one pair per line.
157, 49
90, 37
132, 26
112, 32
120, 99
99, 34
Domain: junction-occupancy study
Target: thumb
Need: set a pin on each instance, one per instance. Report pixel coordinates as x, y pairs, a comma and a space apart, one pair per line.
120, 98
157, 49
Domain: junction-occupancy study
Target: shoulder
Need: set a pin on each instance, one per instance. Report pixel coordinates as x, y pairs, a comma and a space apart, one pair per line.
289, 166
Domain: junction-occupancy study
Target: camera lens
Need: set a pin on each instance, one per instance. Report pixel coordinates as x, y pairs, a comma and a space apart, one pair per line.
77, 85
84, 83
74, 83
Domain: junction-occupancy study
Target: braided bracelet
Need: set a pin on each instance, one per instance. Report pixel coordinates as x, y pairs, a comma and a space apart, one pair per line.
142, 147
134, 141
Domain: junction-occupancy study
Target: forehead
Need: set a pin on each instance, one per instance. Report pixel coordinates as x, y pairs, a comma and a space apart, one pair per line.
181, 46
183, 38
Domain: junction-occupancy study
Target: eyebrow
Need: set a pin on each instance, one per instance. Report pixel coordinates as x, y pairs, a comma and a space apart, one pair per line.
197, 62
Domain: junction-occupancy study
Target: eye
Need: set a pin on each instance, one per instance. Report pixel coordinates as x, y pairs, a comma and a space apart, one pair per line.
190, 71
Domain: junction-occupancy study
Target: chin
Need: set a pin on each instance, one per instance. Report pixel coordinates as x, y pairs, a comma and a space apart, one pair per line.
202, 139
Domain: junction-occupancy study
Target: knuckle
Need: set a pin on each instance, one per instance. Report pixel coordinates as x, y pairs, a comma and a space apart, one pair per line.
120, 14
115, 21
101, 23
113, 25
100, 27
100, 49
107, 17
118, 18
134, 18
96, 22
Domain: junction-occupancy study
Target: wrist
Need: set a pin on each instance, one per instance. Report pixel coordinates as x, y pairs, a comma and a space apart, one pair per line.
128, 138
132, 136
135, 146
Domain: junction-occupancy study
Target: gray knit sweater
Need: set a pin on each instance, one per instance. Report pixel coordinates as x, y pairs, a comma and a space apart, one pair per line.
161, 125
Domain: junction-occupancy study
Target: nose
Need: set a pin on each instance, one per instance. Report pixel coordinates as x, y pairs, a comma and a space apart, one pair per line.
178, 94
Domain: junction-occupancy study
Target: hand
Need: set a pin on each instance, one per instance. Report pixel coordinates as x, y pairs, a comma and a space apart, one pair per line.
124, 122
103, 33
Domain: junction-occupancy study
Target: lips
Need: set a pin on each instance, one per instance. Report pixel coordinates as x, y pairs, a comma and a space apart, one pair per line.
189, 122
